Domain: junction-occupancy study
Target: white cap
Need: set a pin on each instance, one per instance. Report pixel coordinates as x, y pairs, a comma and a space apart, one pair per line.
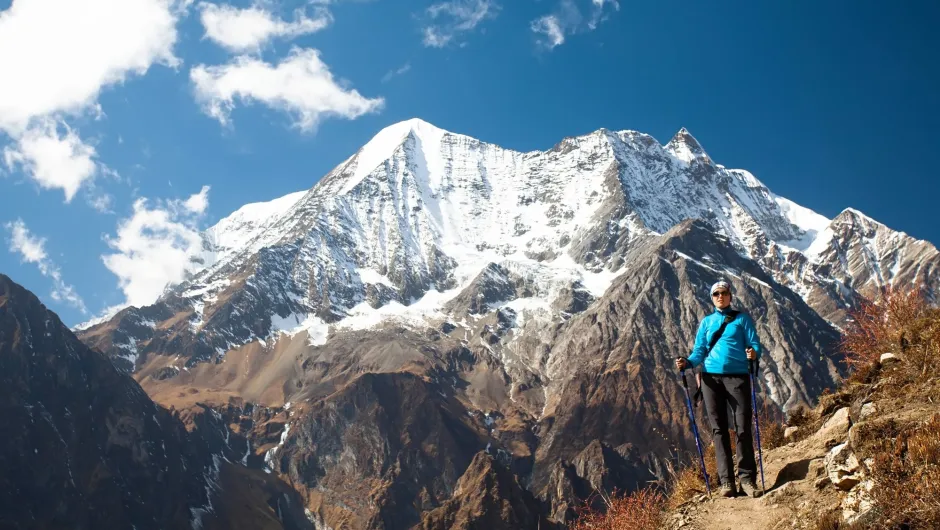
718, 284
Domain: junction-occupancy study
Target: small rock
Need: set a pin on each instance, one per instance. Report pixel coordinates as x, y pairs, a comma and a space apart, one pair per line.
867, 410
822, 482
889, 358
773, 497
843, 467
789, 432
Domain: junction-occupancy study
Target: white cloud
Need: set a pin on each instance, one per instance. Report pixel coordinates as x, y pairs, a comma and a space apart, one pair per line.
301, 85
395, 73
54, 161
551, 28
56, 56
32, 250
568, 19
199, 202
155, 247
248, 30
449, 19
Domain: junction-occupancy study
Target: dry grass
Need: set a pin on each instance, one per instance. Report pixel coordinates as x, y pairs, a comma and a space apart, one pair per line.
829, 520
688, 482
641, 510
906, 471
832, 520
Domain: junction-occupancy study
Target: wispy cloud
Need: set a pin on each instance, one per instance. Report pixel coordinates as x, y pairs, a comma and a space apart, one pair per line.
248, 30
32, 250
550, 26
446, 21
395, 73
301, 85
101, 202
570, 19
156, 246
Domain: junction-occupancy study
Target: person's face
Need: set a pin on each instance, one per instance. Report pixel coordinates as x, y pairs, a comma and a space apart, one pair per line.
721, 297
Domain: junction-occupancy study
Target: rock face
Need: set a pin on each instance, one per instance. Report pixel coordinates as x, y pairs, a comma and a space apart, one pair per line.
487, 496
84, 447
83, 444
434, 296
386, 448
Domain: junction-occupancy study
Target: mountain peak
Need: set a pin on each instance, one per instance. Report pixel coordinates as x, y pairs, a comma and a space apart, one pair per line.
856, 217
382, 145
685, 147
416, 125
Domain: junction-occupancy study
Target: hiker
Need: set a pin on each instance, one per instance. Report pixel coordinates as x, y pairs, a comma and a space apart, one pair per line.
726, 341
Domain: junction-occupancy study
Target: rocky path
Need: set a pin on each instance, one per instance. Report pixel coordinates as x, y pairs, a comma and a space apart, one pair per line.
797, 482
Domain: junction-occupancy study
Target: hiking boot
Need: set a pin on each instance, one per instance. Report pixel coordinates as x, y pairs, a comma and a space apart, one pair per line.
727, 490
750, 489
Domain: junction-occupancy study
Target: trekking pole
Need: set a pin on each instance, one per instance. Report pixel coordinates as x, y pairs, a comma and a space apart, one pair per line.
698, 443
753, 365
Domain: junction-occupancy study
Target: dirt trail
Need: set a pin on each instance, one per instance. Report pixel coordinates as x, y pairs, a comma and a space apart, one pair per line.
790, 474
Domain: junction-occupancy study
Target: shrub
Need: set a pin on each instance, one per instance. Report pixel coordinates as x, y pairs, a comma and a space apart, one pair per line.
641, 510
771, 428
900, 322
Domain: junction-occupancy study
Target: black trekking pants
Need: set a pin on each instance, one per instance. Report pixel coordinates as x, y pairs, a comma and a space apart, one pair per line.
721, 392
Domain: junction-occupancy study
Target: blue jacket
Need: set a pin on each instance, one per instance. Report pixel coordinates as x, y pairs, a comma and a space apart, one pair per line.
728, 356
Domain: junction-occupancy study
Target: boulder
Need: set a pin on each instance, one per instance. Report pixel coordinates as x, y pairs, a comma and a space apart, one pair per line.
789, 432
857, 505
843, 467
867, 410
836, 427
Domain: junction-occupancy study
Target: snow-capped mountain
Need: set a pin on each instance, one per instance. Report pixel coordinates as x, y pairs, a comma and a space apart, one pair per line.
419, 211
408, 221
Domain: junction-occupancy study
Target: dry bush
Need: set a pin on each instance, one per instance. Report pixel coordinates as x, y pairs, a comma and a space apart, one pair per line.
906, 472
807, 421
641, 510
900, 322
771, 428
829, 520
799, 416
688, 481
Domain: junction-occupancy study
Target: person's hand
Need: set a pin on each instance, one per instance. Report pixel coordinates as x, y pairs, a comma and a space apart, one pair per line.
681, 363
751, 354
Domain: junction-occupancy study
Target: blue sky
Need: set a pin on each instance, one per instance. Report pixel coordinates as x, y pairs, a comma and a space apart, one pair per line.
830, 104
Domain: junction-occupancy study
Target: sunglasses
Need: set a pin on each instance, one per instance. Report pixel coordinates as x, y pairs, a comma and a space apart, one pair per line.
716, 294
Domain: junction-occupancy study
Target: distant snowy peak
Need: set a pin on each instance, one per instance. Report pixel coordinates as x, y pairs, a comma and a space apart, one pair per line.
686, 148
